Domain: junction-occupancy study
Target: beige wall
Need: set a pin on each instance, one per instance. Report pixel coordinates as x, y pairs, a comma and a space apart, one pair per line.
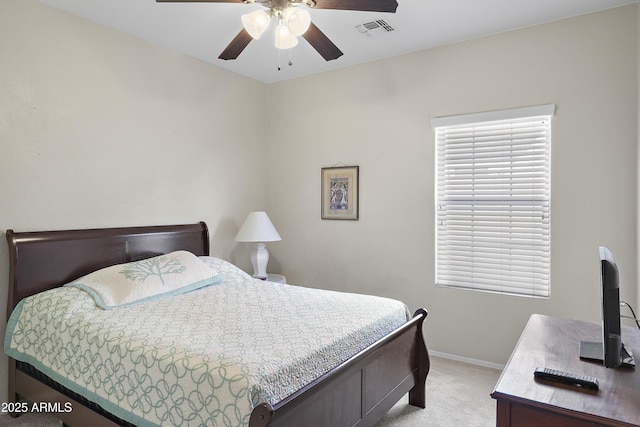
377, 115
101, 129
638, 164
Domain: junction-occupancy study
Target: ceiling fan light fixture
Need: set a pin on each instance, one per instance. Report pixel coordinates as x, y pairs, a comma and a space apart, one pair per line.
298, 20
284, 38
256, 23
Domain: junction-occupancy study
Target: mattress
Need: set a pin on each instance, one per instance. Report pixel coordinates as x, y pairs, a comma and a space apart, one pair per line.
204, 357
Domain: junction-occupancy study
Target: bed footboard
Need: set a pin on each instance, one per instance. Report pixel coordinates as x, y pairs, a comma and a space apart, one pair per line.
362, 389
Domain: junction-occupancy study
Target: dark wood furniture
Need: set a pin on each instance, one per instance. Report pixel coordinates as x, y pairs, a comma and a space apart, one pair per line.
551, 342
358, 392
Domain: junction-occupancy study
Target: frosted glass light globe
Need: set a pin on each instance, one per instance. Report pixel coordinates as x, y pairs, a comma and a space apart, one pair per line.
284, 38
298, 20
256, 23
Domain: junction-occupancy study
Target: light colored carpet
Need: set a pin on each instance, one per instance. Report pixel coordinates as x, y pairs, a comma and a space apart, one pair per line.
457, 395
30, 420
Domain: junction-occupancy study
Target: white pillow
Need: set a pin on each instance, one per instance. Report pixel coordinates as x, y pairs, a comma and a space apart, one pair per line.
136, 282
228, 272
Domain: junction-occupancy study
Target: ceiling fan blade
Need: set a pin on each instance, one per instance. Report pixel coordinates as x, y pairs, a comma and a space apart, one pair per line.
237, 45
321, 43
199, 1
361, 5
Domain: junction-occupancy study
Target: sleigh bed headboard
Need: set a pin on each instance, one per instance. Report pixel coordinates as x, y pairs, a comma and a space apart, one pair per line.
47, 259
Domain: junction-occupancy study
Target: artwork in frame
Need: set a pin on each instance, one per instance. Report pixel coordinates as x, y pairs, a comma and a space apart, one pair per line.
340, 192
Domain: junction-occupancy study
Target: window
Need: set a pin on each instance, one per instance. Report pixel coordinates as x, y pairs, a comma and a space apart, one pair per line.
492, 207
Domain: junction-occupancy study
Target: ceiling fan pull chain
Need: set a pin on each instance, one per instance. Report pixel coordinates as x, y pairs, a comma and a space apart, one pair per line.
279, 60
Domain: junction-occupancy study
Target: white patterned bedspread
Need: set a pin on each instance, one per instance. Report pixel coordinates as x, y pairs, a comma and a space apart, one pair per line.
201, 358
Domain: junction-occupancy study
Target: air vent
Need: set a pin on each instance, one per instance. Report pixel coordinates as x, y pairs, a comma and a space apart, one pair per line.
375, 28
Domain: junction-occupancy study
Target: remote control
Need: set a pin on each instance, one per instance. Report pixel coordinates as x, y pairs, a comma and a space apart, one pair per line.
567, 378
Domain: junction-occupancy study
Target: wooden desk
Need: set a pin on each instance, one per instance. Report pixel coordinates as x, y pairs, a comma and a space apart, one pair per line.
552, 342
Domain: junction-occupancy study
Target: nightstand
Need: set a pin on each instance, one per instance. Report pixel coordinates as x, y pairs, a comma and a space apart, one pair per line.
277, 278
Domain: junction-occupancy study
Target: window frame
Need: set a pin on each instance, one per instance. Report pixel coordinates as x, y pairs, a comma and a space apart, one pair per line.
466, 260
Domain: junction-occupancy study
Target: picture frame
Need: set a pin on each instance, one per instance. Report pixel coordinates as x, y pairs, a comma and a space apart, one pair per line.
340, 192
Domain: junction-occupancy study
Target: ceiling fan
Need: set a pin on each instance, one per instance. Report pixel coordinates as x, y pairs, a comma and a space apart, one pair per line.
293, 21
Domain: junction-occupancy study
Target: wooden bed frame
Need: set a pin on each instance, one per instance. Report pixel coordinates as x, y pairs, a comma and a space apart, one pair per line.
358, 392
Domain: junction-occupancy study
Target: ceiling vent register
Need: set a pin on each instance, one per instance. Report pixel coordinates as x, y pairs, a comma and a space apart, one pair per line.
375, 28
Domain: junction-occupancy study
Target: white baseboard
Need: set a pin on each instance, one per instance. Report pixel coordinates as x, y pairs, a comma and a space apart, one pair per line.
467, 360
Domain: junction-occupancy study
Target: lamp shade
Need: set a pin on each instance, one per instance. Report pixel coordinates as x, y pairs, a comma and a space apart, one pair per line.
256, 23
284, 38
257, 228
298, 20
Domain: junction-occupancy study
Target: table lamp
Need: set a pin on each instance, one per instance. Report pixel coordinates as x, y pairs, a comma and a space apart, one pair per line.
258, 228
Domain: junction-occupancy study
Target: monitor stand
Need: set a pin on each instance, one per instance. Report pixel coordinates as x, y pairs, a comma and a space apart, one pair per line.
590, 350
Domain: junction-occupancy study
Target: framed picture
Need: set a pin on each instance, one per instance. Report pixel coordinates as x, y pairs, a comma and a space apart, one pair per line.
340, 192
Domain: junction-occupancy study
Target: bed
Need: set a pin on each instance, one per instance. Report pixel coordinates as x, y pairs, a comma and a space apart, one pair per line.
356, 390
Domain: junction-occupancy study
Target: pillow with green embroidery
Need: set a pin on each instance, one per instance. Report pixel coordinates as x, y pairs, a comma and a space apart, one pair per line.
136, 282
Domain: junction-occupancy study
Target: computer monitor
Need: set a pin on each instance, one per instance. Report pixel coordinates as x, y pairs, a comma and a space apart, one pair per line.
611, 350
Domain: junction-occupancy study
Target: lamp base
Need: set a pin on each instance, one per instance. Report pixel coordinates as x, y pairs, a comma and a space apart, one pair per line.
259, 261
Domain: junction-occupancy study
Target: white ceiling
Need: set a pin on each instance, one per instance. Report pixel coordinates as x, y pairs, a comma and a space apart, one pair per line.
203, 30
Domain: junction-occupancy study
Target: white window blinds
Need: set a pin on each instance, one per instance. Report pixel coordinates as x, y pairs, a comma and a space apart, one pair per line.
493, 191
